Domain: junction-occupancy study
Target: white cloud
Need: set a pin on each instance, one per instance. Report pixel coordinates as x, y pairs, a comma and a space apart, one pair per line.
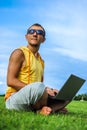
3, 67
72, 53
2, 83
3, 71
68, 31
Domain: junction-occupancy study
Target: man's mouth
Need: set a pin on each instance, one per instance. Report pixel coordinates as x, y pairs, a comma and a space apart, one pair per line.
34, 39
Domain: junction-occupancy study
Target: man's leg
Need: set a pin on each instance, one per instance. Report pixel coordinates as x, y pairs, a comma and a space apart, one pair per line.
28, 95
46, 106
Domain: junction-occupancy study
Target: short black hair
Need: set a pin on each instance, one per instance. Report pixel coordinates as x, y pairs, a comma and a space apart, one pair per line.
37, 24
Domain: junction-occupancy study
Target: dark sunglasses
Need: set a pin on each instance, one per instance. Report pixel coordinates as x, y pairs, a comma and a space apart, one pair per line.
32, 31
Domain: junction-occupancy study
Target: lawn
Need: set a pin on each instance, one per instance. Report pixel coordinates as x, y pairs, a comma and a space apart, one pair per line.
76, 119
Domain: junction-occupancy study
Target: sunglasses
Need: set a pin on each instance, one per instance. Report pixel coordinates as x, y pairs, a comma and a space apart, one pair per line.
32, 31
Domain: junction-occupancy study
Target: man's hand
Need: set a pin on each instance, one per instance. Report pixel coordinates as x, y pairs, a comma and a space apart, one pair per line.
51, 92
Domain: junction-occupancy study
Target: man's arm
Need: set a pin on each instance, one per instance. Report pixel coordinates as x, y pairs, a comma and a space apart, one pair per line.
15, 63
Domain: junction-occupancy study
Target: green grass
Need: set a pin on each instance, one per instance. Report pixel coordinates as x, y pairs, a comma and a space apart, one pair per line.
76, 119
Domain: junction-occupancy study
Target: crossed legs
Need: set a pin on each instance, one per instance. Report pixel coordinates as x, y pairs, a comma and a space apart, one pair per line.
44, 107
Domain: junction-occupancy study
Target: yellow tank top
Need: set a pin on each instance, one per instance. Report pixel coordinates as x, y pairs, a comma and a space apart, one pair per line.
31, 71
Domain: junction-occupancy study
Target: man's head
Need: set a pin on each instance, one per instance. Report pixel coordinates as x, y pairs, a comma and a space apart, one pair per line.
38, 25
35, 35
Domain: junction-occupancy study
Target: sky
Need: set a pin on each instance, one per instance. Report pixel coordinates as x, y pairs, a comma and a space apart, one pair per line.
65, 48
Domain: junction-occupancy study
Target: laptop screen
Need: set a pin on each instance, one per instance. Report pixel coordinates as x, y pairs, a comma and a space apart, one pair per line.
70, 88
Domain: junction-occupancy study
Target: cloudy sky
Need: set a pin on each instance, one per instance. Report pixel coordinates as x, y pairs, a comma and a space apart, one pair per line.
65, 48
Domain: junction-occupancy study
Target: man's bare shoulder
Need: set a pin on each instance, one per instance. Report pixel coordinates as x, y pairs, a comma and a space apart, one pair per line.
17, 53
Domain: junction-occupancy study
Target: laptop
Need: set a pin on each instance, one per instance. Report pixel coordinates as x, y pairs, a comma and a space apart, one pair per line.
67, 91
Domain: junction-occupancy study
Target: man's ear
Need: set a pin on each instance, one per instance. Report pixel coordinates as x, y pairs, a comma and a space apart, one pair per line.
43, 40
26, 36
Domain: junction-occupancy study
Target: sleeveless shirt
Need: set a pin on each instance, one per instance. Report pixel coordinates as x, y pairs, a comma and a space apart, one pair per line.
31, 71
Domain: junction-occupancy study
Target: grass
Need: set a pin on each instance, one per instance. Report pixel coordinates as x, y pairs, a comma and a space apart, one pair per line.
76, 119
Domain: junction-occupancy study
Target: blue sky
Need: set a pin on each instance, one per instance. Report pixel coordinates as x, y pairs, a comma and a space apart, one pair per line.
65, 48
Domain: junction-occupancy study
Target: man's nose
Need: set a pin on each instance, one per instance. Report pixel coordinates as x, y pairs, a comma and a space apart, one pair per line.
34, 33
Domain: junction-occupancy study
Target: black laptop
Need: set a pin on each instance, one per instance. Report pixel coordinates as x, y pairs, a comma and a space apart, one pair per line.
67, 91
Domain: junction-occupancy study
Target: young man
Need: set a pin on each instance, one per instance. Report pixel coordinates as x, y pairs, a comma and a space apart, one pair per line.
25, 76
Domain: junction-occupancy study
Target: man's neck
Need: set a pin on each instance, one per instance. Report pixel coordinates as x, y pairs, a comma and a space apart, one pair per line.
34, 49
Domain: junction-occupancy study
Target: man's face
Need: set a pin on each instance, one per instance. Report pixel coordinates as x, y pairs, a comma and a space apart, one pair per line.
35, 38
